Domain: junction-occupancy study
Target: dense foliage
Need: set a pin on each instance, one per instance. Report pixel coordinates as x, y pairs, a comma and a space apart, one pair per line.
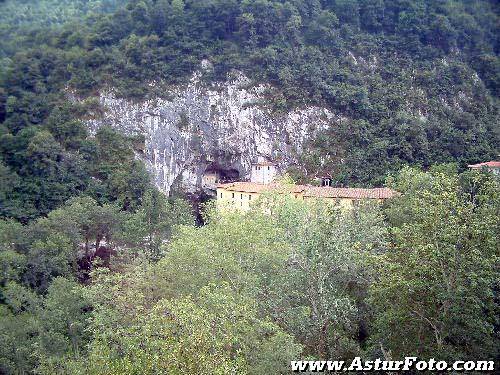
22, 20
43, 308
101, 273
248, 293
411, 82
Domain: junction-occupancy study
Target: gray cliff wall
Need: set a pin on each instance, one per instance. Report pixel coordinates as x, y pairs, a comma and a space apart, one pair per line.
202, 127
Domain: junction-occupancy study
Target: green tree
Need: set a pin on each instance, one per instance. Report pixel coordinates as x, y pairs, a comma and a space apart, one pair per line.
321, 295
216, 332
17, 342
18, 328
63, 320
48, 259
440, 268
12, 261
155, 222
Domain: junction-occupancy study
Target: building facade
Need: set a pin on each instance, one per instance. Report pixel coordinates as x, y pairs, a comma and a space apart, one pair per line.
263, 173
209, 180
241, 195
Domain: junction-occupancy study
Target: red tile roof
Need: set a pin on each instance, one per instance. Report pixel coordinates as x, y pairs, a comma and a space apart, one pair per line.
490, 164
353, 193
253, 187
312, 191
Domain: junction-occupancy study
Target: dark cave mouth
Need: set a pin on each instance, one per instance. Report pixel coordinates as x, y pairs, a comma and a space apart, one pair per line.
217, 174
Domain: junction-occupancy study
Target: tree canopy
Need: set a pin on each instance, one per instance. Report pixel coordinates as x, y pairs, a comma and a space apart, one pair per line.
410, 82
102, 273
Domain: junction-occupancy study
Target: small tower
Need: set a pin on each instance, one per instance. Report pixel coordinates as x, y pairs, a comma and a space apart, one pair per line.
263, 172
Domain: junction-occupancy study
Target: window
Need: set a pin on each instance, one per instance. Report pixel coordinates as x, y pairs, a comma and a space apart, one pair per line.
268, 168
249, 197
221, 195
241, 204
241, 196
233, 195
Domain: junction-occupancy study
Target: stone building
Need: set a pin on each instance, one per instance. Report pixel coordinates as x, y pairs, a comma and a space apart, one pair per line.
263, 173
241, 195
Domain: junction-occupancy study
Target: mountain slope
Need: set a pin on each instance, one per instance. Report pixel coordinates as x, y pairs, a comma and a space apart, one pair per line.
412, 82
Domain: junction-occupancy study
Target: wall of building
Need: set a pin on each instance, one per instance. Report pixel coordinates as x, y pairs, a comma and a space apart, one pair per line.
235, 199
209, 180
244, 200
263, 174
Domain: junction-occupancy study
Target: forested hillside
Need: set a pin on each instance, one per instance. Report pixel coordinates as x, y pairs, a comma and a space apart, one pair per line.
415, 82
250, 293
101, 273
22, 20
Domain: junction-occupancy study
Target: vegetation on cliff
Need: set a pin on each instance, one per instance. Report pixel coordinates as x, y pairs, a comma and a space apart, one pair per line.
415, 82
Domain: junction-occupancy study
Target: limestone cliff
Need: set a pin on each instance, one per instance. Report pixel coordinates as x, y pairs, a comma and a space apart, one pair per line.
203, 127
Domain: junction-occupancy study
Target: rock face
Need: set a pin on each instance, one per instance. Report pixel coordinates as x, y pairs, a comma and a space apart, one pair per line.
204, 128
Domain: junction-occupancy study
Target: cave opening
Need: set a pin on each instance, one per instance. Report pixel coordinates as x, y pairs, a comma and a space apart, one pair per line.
216, 174
213, 175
